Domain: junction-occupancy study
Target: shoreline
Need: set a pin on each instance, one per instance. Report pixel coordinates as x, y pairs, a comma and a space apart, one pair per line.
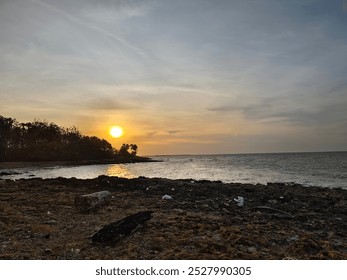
202, 221
25, 164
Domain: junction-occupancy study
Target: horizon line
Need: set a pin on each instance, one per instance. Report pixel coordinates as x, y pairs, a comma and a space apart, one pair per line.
250, 153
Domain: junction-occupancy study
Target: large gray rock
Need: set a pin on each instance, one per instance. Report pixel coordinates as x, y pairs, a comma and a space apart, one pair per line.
93, 201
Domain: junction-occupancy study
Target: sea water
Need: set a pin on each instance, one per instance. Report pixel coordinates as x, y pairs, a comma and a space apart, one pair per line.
327, 169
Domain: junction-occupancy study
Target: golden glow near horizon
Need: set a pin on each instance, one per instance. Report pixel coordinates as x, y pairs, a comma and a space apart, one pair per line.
116, 131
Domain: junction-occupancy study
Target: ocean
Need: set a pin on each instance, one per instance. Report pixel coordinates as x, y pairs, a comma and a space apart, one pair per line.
328, 169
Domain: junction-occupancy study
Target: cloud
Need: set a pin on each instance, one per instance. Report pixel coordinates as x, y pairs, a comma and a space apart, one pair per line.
327, 106
107, 104
109, 11
76, 20
173, 131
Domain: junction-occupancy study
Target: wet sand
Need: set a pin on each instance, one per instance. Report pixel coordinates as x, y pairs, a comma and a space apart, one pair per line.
203, 221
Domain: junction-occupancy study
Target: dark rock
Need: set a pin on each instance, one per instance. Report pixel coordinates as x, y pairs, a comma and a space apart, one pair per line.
47, 236
111, 233
48, 251
4, 173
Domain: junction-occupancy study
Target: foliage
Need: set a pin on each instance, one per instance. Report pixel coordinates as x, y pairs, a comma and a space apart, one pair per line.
124, 150
43, 141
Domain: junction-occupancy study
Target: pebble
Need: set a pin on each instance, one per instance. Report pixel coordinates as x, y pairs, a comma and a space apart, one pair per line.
252, 249
217, 237
293, 238
51, 222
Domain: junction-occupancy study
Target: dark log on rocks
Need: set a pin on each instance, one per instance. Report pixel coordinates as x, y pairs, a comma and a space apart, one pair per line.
88, 202
111, 233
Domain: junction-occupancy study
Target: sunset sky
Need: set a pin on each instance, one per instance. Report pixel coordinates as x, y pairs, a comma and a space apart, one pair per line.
182, 76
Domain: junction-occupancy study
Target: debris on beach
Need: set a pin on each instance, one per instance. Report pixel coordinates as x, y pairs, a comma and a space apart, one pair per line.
273, 210
92, 201
240, 201
111, 233
167, 197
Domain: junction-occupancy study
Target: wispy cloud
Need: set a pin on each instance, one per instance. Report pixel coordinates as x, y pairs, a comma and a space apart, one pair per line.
97, 29
107, 104
299, 109
173, 131
114, 11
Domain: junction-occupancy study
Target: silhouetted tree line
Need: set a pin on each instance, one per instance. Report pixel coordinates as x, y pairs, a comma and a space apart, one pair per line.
43, 141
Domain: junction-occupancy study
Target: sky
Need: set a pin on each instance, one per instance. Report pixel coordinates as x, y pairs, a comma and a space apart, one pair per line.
183, 76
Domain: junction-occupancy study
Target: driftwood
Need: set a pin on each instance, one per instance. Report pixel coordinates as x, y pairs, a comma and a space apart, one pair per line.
111, 233
273, 210
88, 202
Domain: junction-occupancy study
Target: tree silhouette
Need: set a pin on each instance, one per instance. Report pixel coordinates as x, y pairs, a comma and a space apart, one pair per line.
123, 151
43, 141
5, 135
133, 148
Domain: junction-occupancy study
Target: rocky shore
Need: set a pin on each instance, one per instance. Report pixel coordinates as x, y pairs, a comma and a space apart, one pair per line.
203, 220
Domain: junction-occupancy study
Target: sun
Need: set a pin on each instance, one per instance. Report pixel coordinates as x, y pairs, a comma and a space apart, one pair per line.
116, 131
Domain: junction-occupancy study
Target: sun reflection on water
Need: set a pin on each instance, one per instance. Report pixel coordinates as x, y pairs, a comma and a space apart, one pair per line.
119, 170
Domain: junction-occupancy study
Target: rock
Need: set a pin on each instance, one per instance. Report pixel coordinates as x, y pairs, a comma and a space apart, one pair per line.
47, 236
111, 233
293, 238
51, 222
252, 249
240, 201
167, 197
93, 201
4, 173
75, 251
